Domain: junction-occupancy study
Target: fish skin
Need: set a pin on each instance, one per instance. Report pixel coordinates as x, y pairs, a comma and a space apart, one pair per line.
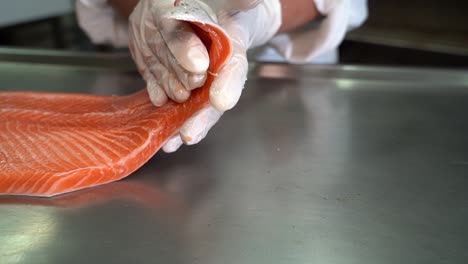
56, 143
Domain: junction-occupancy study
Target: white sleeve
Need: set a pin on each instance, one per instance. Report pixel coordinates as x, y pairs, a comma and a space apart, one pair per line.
101, 23
306, 45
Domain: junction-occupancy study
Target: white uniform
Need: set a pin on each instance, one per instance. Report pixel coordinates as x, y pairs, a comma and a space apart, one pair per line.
315, 44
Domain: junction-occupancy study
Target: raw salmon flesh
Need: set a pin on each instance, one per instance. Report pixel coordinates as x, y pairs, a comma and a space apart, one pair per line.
55, 143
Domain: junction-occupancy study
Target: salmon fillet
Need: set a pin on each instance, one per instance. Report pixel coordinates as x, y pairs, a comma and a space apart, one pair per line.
55, 143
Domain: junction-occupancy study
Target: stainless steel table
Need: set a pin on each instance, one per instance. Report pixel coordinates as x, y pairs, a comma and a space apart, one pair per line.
315, 165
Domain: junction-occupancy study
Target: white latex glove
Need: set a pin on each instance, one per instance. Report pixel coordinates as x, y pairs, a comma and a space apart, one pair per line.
101, 23
320, 44
174, 61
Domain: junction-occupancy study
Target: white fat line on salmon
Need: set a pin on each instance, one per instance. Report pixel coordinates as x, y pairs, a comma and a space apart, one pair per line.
212, 73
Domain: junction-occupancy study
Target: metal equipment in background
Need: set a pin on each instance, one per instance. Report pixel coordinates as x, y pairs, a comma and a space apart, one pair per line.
413, 33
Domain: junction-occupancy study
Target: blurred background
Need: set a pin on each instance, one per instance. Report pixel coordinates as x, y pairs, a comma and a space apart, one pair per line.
409, 33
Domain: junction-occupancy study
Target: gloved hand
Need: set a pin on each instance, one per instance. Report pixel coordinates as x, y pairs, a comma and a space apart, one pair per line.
174, 61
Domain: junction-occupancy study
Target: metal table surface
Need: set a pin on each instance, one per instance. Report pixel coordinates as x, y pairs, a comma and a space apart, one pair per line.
315, 165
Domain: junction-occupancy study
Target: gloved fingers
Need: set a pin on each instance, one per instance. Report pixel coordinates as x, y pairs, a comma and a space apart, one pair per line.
172, 87
138, 25
161, 82
196, 128
196, 80
179, 49
137, 49
173, 144
175, 90
185, 45
229, 83
157, 95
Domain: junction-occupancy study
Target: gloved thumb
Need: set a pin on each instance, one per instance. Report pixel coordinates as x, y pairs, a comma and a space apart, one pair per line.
229, 83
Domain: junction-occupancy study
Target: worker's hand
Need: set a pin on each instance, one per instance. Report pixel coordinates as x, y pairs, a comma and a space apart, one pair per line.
174, 61
194, 129
169, 55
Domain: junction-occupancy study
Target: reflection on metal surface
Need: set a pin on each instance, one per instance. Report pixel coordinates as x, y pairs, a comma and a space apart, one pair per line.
345, 84
119, 61
277, 71
53, 78
128, 191
441, 42
25, 235
401, 75
330, 165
